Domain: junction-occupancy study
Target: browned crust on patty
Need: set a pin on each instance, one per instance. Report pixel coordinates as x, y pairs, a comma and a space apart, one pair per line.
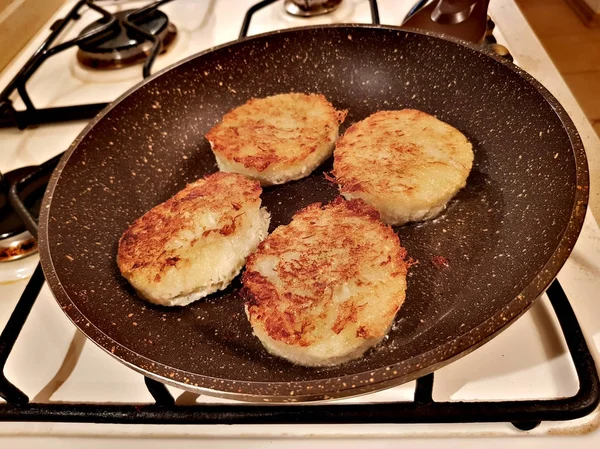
145, 244
334, 244
249, 134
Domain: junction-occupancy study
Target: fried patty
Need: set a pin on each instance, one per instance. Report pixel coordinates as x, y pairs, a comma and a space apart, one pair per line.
196, 242
276, 139
325, 288
407, 164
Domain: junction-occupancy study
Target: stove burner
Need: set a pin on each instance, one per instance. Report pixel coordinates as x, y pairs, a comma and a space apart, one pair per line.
121, 47
15, 241
310, 8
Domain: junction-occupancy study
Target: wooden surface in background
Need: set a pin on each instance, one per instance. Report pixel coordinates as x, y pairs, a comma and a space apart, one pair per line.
573, 47
20, 20
587, 14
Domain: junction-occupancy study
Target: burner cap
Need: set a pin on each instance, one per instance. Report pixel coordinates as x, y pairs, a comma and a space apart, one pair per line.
310, 8
119, 46
15, 241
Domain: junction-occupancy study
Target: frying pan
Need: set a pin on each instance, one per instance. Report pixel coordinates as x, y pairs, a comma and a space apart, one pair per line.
505, 235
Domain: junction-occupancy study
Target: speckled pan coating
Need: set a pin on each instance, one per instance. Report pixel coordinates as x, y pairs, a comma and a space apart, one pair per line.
505, 235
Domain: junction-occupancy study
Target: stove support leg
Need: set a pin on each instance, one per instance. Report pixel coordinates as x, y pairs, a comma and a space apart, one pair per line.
526, 425
424, 390
159, 392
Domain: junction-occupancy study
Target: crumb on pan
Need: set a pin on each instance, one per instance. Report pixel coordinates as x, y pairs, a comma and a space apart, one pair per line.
440, 262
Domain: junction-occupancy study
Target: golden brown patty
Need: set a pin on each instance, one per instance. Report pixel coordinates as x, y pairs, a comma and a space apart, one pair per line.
276, 139
196, 242
326, 287
407, 164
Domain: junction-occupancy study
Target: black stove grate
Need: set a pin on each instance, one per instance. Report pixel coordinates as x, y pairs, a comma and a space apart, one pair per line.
31, 115
10, 117
523, 414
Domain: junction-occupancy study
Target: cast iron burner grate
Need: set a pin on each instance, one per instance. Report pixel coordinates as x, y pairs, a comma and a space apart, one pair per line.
120, 47
15, 241
140, 34
523, 414
146, 27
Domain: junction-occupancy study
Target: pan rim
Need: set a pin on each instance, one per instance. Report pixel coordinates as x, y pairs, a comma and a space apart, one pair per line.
351, 384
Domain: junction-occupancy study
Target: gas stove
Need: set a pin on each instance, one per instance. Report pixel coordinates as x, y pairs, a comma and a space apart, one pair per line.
68, 380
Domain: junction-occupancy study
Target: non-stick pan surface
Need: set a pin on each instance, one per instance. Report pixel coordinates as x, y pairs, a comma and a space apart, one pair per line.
505, 235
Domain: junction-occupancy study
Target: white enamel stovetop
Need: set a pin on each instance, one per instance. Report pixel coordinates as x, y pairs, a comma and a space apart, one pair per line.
53, 362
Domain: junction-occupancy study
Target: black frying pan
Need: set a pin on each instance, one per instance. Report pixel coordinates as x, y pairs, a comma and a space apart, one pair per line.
505, 235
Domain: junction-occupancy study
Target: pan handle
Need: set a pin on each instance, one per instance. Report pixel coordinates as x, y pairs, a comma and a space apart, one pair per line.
260, 5
453, 11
